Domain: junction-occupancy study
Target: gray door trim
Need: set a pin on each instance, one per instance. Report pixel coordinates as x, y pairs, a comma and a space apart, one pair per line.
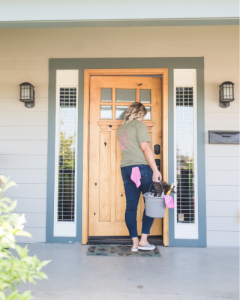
125, 63
121, 23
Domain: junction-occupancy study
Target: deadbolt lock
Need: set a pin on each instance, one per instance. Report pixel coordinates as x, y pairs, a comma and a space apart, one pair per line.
157, 149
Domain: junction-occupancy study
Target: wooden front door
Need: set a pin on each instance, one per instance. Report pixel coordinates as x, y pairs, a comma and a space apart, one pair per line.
109, 98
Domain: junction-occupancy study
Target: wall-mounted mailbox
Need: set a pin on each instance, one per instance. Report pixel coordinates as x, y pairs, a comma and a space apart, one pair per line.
223, 137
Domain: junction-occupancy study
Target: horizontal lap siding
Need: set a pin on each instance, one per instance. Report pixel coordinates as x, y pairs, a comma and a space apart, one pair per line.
23, 136
222, 161
24, 56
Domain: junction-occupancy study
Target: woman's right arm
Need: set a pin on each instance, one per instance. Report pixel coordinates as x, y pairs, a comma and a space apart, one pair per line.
150, 159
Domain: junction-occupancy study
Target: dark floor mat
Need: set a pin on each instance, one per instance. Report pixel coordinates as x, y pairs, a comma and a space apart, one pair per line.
113, 250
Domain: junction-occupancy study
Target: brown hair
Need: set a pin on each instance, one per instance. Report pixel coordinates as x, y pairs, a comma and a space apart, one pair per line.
135, 111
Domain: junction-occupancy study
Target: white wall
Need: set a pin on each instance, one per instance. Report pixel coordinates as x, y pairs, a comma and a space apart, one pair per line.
24, 56
28, 10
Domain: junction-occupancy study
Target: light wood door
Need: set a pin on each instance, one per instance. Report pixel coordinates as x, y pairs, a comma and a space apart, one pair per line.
109, 97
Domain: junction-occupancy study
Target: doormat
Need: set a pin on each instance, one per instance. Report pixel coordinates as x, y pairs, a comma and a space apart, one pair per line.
109, 250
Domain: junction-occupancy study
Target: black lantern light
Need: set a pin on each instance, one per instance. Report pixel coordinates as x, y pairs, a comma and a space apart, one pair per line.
27, 94
226, 93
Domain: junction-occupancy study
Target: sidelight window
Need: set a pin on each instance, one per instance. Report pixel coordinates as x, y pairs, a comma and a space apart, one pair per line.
65, 153
185, 148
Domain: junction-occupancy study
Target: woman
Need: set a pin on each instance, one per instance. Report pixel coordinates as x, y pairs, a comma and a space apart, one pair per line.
134, 142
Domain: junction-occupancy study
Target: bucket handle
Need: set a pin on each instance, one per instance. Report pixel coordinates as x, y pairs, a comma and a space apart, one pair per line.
161, 186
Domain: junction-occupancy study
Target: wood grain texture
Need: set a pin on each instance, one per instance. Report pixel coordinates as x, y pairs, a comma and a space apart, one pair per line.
105, 177
119, 122
116, 209
120, 193
85, 158
165, 149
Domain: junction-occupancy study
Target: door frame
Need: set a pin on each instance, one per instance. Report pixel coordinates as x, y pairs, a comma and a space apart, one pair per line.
121, 72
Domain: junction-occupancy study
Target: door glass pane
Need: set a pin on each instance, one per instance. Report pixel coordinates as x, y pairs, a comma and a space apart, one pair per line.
185, 155
145, 96
148, 115
66, 161
106, 112
106, 95
120, 112
123, 95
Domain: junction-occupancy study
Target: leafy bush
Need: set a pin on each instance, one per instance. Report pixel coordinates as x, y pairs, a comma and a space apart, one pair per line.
15, 269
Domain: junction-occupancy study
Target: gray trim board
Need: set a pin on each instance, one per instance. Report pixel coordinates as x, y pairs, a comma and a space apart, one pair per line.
120, 23
120, 63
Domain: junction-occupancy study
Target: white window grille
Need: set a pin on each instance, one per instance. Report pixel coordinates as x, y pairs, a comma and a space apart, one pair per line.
185, 154
66, 166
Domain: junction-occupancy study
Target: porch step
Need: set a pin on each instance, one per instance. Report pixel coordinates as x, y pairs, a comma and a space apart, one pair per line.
122, 240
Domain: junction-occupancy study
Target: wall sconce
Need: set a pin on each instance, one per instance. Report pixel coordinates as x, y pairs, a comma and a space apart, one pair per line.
226, 94
27, 94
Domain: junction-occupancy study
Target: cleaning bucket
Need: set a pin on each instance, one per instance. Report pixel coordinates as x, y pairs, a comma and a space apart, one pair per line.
154, 204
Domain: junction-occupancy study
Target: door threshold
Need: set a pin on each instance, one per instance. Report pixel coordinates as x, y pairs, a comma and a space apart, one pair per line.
122, 240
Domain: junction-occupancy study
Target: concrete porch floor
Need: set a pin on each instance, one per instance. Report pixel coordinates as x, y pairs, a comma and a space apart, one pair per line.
179, 274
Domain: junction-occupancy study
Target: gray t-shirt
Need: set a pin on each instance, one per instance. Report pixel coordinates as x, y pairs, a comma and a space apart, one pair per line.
130, 135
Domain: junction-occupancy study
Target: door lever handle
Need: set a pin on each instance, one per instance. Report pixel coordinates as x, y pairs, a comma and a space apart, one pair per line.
158, 163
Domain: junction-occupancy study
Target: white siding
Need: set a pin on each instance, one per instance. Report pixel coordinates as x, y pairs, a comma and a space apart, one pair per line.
218, 193
38, 235
218, 238
28, 190
223, 224
23, 161
31, 206
24, 56
26, 175
226, 208
24, 147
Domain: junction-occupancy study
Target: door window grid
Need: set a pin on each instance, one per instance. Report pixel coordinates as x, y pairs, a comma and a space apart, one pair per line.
125, 95
106, 112
145, 96
185, 155
66, 161
106, 95
112, 111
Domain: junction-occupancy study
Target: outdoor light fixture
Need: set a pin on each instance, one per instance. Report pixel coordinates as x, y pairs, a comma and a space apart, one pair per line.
226, 93
27, 94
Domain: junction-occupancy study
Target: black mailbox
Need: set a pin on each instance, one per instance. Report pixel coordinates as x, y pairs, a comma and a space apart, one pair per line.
223, 137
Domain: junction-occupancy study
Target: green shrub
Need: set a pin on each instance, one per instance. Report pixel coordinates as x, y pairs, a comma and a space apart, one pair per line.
20, 267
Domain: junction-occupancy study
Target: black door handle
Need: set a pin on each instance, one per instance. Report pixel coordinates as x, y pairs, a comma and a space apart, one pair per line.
158, 163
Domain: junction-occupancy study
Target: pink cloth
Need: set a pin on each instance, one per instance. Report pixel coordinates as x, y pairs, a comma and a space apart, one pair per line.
169, 201
136, 176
